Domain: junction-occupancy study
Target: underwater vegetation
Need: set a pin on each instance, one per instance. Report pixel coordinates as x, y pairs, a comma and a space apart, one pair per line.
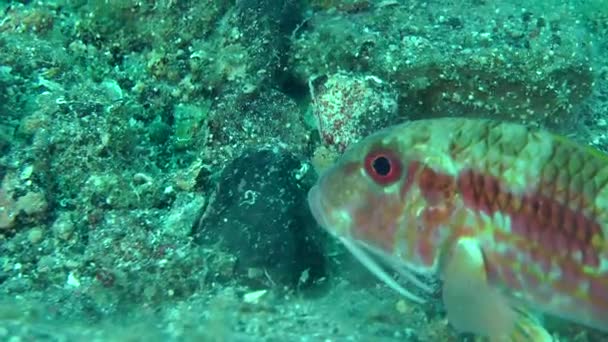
155, 156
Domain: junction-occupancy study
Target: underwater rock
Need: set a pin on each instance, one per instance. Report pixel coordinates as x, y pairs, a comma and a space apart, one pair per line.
531, 68
259, 214
248, 49
184, 213
267, 117
349, 107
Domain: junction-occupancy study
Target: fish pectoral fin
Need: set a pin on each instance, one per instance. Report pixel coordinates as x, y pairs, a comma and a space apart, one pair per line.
471, 304
528, 328
475, 306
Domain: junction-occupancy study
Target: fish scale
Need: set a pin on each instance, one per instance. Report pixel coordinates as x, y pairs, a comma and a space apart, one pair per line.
528, 211
533, 203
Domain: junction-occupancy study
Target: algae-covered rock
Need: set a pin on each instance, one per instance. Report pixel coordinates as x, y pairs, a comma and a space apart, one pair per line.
189, 123
349, 107
531, 64
267, 117
260, 215
248, 47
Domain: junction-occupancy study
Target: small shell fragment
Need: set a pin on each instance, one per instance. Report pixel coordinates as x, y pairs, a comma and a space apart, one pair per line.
254, 297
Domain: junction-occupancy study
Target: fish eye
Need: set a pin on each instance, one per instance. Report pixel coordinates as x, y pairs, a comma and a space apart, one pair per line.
383, 167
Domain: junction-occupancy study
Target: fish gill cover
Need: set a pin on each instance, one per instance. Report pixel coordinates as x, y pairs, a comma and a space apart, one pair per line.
155, 155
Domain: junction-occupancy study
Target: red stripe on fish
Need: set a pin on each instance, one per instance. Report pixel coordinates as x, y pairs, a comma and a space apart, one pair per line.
436, 187
438, 190
552, 232
534, 216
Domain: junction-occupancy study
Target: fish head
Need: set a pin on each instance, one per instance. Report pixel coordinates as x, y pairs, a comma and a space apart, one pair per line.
363, 197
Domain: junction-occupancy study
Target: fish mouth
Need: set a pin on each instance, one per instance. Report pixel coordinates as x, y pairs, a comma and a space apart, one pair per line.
315, 203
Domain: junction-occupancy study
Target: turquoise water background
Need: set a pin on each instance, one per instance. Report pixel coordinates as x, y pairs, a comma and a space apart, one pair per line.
155, 155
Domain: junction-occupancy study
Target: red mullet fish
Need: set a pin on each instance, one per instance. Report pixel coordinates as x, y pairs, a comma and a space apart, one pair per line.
512, 220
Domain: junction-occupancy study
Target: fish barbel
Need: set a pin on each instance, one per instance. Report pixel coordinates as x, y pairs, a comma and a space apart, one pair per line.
512, 220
